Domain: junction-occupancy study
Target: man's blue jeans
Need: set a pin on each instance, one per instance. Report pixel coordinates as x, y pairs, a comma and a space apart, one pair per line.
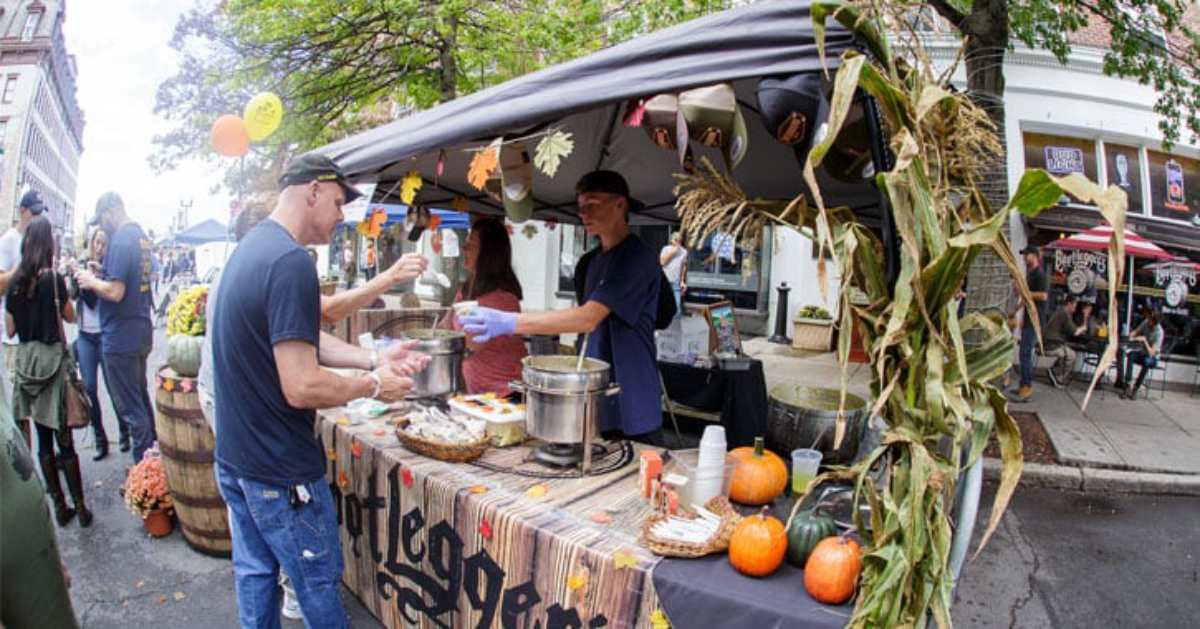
1028, 341
125, 375
268, 533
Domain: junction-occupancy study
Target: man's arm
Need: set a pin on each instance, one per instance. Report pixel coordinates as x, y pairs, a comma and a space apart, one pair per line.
580, 319
108, 290
337, 353
343, 304
666, 256
306, 385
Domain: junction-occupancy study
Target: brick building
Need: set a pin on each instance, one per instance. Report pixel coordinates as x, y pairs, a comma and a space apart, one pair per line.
41, 124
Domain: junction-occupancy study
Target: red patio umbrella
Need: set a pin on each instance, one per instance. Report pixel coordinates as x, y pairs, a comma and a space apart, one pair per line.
1177, 261
1096, 239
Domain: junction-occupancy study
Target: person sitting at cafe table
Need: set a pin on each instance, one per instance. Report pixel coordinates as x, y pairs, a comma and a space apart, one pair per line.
492, 283
618, 311
1148, 339
1061, 329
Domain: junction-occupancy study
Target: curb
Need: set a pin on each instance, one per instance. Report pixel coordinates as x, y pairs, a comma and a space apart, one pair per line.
1091, 479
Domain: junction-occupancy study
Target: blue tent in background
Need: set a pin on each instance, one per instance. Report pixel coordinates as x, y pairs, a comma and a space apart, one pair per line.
210, 230
396, 213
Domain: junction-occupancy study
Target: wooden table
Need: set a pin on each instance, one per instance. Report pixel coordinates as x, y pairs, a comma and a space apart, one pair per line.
434, 544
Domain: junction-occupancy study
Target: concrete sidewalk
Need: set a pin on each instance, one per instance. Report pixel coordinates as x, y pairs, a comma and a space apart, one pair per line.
1158, 436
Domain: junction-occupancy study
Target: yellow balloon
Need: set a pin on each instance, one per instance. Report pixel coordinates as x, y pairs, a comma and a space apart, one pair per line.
262, 115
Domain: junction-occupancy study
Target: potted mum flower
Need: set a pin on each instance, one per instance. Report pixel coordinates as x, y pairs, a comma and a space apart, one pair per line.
148, 497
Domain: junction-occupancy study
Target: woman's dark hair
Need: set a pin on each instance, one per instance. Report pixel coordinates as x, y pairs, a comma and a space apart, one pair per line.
493, 265
37, 253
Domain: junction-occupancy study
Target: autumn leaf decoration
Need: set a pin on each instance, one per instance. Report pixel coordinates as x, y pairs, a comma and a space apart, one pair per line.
483, 165
551, 151
409, 186
459, 204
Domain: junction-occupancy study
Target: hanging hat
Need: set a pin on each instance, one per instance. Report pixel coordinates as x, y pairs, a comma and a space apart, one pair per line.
792, 108
715, 120
665, 124
512, 182
849, 159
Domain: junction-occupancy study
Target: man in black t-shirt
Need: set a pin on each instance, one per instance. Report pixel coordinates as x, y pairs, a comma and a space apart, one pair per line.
1035, 280
270, 360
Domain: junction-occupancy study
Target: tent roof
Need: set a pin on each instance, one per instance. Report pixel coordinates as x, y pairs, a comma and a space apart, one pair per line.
586, 97
209, 230
1096, 239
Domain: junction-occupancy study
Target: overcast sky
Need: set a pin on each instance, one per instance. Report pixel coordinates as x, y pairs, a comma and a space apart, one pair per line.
122, 52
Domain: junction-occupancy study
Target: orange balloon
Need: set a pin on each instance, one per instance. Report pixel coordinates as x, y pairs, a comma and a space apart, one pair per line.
229, 136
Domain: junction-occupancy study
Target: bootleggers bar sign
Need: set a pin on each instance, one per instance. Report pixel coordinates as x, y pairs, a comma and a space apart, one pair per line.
427, 544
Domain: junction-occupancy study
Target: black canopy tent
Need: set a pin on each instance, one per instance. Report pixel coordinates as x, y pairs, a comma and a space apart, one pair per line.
587, 97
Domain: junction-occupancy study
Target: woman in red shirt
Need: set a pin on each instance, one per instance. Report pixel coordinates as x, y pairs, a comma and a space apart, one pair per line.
491, 281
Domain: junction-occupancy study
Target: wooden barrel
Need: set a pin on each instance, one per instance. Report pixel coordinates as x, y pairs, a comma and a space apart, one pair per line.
186, 443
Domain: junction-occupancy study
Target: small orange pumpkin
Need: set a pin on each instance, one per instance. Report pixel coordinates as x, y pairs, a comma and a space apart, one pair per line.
757, 546
832, 570
759, 476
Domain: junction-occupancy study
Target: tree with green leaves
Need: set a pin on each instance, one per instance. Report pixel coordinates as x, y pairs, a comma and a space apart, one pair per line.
1138, 51
342, 66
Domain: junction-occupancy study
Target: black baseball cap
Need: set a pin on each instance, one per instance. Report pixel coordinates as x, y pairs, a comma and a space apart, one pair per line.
608, 181
32, 202
1031, 249
107, 201
316, 167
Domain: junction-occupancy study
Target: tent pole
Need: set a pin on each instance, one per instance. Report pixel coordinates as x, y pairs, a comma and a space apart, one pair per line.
1129, 300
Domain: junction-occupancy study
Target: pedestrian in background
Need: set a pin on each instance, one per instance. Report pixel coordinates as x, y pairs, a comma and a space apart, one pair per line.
35, 306
1035, 281
10, 257
126, 331
87, 347
673, 259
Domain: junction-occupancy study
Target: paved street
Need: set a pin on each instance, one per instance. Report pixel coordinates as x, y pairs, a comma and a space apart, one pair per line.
1066, 559
122, 578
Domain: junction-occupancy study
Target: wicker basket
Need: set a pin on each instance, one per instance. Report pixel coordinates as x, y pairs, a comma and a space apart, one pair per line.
812, 334
440, 450
716, 544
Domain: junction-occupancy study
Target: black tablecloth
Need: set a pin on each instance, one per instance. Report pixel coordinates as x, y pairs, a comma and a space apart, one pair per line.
707, 592
740, 397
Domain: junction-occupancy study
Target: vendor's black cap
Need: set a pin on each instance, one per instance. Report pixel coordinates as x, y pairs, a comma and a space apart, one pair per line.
107, 201
32, 202
1031, 249
316, 167
608, 181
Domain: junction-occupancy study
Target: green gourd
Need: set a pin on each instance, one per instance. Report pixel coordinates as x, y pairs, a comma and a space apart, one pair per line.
805, 531
183, 354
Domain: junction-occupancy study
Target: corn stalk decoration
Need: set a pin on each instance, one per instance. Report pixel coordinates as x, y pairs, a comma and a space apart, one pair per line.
933, 393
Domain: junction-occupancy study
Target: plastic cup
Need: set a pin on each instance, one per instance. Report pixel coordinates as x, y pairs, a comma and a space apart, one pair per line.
805, 462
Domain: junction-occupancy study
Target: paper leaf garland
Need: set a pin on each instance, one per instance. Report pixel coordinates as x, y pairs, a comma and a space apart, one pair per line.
409, 186
483, 165
356, 449
551, 151
478, 489
406, 477
600, 517
459, 204
537, 491
529, 230
624, 559
658, 620
343, 480
331, 454
485, 529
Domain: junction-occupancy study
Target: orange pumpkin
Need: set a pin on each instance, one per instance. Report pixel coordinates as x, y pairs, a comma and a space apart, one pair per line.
832, 570
759, 476
757, 546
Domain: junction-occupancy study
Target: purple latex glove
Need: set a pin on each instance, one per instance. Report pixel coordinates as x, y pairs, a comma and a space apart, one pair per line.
485, 324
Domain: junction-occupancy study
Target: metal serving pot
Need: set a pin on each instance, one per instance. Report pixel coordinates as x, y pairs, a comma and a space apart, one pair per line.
446, 349
562, 404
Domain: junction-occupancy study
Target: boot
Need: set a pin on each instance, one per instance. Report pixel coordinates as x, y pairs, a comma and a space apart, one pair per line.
62, 513
75, 483
123, 440
101, 443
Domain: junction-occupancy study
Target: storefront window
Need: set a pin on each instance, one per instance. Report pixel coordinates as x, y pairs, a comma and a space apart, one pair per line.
721, 275
572, 244
1124, 167
1059, 155
1174, 186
